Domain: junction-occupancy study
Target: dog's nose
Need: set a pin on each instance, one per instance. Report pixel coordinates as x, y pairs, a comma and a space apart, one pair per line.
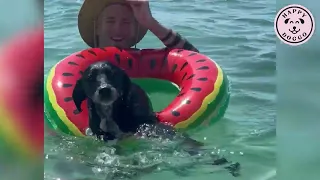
106, 92
294, 27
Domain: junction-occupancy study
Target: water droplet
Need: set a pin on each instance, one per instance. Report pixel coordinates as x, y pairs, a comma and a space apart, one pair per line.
89, 132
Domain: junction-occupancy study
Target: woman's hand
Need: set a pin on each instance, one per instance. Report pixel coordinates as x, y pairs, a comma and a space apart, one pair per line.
141, 11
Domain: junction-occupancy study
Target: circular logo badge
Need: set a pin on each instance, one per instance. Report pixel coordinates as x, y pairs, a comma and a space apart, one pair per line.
294, 24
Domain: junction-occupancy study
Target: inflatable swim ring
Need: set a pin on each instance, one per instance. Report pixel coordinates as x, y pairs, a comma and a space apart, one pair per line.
21, 99
202, 99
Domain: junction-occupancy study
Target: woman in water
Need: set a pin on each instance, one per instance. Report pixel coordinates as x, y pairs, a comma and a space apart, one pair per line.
123, 23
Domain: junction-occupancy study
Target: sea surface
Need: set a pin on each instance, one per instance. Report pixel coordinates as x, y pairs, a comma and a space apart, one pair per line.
239, 35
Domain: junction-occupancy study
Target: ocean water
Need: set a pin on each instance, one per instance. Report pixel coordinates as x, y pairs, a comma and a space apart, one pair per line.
238, 34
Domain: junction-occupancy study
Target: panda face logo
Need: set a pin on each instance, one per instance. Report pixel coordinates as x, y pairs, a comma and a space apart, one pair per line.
294, 25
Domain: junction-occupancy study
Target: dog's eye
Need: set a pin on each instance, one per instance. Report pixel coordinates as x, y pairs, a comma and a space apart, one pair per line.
297, 22
291, 22
90, 79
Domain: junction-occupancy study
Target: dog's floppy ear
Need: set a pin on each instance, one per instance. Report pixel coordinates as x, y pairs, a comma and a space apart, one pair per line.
78, 95
286, 21
301, 20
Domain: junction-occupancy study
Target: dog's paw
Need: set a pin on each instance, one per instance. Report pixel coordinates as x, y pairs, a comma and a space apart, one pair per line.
220, 161
234, 169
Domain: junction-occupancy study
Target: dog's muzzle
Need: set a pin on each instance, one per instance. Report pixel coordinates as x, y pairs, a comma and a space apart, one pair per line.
106, 94
294, 31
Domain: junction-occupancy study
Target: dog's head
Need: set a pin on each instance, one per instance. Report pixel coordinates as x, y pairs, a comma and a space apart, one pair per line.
294, 24
102, 82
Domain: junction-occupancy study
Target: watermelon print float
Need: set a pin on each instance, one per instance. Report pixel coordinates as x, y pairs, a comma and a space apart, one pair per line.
203, 87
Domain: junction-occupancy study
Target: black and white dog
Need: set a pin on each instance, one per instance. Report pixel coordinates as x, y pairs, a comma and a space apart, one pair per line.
116, 105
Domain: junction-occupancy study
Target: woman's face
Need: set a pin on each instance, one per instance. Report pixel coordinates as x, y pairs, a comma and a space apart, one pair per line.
116, 26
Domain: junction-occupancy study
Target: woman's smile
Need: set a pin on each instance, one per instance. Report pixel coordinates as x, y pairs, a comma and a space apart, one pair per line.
117, 38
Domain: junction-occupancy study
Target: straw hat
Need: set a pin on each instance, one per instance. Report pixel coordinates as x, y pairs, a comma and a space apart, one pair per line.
89, 13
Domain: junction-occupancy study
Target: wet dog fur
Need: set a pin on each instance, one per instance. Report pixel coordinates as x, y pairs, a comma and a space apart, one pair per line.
116, 105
